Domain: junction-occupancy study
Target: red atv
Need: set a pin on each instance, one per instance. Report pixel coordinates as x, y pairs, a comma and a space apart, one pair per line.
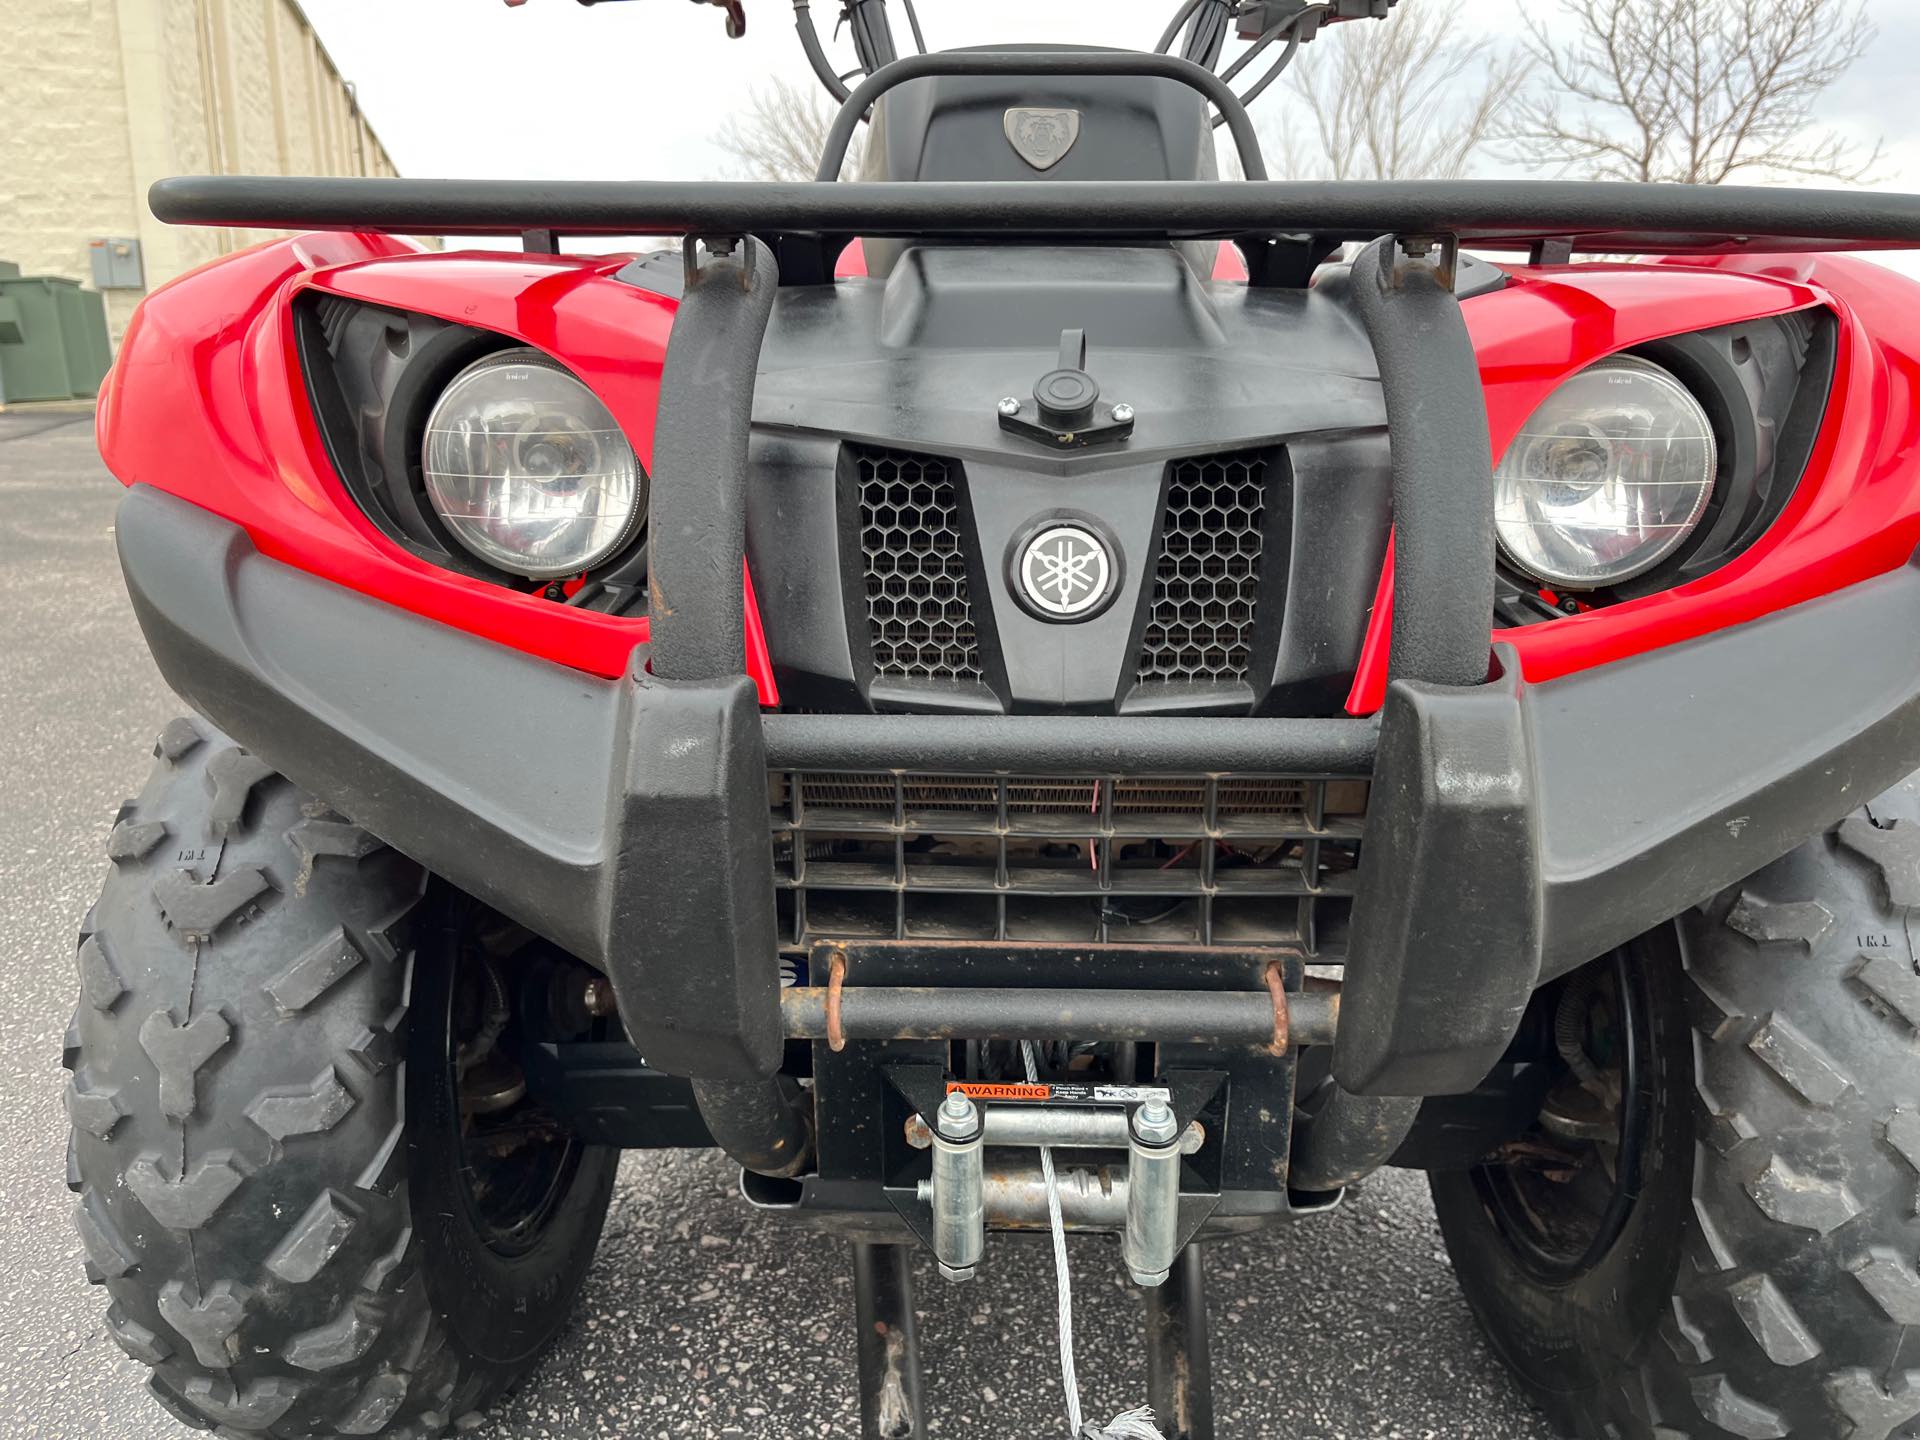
1002, 711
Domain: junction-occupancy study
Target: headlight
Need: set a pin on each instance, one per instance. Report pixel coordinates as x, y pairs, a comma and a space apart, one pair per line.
1608, 478
529, 470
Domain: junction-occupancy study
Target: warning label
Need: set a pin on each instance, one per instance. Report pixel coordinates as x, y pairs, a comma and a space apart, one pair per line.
1063, 1094
980, 1090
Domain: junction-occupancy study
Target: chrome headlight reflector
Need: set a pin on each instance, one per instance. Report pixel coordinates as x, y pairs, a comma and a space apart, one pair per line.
528, 470
1608, 478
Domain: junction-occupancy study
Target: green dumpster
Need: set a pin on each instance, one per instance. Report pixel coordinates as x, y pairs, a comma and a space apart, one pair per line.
53, 338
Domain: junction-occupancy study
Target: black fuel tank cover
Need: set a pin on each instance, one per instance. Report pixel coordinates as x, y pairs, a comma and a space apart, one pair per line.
1066, 412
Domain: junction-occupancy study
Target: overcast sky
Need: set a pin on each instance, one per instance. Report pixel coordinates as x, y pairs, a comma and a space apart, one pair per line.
553, 89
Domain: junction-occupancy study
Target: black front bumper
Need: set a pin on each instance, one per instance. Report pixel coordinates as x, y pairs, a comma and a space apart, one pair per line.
1515, 830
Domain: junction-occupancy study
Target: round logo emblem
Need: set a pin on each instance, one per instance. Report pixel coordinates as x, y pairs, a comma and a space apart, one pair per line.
1066, 572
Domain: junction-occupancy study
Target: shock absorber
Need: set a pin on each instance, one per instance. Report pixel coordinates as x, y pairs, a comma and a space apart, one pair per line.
959, 1187
1153, 1193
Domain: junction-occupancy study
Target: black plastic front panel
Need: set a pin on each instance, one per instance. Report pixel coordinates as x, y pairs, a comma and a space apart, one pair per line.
1247, 514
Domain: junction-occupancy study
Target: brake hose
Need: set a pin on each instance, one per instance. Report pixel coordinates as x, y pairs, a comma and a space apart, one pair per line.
913, 19
1291, 27
1274, 72
1173, 26
816, 55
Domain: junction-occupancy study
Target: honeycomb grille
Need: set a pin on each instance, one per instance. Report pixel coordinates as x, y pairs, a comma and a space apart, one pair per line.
918, 613
1200, 627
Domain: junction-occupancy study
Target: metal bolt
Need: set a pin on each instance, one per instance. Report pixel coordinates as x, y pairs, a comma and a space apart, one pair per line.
958, 1115
1154, 1123
599, 997
1010, 406
1122, 413
918, 1135
1193, 1138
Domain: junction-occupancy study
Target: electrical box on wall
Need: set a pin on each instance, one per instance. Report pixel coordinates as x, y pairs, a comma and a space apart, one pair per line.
116, 264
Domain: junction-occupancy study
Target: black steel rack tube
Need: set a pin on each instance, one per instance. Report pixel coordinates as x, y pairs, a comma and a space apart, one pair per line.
1593, 217
1196, 1017
699, 635
1070, 745
1039, 64
1442, 468
699, 506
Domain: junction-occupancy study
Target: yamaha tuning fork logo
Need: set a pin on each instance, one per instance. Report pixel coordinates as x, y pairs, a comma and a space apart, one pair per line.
1066, 572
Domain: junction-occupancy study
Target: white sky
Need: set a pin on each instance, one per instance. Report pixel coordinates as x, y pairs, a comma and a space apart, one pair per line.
557, 90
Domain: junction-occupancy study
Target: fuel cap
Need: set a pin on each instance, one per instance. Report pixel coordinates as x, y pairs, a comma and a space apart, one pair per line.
1066, 412
1066, 396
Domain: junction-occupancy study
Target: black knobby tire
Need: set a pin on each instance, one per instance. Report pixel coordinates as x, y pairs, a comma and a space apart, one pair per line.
1766, 1280
265, 1137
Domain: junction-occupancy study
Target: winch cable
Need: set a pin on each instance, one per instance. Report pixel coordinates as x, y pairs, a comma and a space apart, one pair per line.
1134, 1424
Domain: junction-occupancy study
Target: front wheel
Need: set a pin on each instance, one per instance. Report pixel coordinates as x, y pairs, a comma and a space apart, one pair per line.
1712, 1231
308, 1175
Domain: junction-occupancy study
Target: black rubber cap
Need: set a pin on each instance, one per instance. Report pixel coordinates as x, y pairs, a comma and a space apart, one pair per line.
1066, 397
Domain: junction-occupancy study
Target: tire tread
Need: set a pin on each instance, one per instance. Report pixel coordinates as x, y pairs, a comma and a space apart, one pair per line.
186, 1094
1798, 1280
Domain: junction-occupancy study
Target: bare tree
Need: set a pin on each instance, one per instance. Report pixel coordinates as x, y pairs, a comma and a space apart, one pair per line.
782, 133
1409, 98
1697, 92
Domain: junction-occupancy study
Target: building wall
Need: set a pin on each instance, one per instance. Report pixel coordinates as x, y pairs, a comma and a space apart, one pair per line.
103, 97
66, 165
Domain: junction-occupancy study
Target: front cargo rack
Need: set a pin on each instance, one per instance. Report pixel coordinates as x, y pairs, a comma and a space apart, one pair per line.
1280, 225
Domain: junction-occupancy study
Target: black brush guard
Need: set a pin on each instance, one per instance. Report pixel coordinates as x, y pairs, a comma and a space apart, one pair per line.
1514, 830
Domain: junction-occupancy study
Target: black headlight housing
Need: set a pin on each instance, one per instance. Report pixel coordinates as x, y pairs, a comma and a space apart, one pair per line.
373, 375
1764, 385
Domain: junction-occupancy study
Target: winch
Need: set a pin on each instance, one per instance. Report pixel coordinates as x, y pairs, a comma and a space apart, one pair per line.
967, 1194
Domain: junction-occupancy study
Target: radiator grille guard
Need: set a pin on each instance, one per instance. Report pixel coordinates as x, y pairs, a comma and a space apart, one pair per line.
1173, 860
918, 613
1207, 582
1199, 609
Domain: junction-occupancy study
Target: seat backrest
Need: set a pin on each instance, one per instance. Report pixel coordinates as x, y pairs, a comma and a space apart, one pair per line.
1035, 127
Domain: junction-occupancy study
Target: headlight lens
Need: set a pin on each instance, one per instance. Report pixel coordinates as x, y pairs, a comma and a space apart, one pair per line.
529, 470
1608, 478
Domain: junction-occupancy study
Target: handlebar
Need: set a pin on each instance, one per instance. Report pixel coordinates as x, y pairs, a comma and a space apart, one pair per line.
1206, 21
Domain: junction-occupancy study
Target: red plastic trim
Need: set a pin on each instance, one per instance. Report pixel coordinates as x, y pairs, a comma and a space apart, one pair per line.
207, 402
1856, 513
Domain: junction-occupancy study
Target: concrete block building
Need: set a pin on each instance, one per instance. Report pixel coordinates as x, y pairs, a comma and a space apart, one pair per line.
103, 97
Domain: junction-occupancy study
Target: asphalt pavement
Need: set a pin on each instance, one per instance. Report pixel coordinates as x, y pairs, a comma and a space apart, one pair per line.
700, 1318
